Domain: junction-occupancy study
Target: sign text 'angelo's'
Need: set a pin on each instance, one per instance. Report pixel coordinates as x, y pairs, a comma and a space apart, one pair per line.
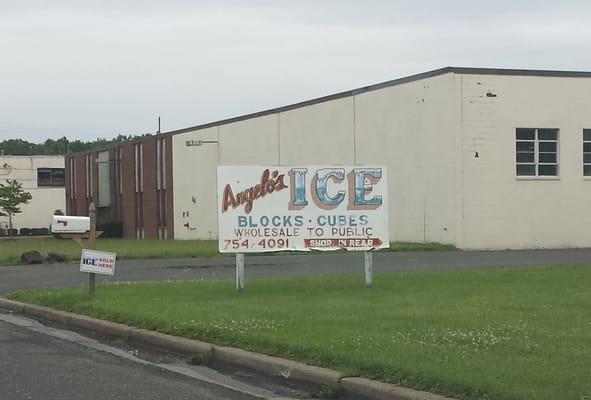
358, 185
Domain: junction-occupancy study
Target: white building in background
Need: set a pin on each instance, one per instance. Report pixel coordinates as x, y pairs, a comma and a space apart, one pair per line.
43, 177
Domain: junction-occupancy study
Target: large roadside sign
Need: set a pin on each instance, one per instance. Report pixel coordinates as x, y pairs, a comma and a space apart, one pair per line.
302, 208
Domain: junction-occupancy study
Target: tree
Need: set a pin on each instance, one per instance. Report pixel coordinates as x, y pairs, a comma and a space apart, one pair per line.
61, 146
12, 196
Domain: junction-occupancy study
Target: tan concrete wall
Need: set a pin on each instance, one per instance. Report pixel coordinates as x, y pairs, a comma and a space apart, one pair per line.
427, 133
499, 209
253, 141
412, 128
194, 198
45, 200
318, 134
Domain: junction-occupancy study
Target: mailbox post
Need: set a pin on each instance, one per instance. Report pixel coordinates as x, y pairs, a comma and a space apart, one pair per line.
77, 229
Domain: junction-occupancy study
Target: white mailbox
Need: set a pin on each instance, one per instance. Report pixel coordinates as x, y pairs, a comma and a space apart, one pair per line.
68, 224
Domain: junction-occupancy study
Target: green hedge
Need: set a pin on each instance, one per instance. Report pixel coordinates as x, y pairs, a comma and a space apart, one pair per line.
110, 228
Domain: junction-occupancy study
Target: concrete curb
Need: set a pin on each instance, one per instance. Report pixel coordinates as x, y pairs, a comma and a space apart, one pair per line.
10, 305
315, 377
46, 313
106, 328
170, 343
278, 367
362, 388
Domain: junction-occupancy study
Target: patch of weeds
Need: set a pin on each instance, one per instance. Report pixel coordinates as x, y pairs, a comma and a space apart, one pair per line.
204, 359
329, 391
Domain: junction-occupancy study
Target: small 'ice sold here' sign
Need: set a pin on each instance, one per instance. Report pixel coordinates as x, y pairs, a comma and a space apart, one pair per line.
98, 262
273, 208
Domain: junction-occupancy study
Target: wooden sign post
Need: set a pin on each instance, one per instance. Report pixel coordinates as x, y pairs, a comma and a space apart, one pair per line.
239, 272
89, 244
92, 246
83, 231
368, 256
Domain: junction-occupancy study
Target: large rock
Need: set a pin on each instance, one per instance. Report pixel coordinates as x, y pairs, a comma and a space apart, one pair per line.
31, 257
53, 257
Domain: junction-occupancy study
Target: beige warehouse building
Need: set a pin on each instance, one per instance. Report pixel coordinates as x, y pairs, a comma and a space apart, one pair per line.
44, 178
478, 158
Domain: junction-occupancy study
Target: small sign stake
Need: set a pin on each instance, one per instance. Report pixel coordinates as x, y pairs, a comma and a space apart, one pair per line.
92, 245
82, 230
239, 272
368, 256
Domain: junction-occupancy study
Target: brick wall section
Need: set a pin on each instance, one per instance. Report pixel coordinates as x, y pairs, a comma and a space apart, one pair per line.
68, 174
70, 202
169, 187
128, 196
115, 210
150, 193
123, 205
81, 206
94, 167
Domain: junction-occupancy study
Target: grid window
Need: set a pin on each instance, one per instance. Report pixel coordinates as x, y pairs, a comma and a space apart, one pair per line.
51, 177
537, 151
586, 152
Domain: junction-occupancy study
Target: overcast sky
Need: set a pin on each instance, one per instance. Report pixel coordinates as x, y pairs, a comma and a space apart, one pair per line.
87, 69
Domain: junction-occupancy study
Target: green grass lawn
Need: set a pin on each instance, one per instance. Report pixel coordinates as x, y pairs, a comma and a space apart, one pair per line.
519, 333
11, 250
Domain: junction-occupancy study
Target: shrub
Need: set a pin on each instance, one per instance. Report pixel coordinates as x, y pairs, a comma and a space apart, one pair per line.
110, 228
39, 231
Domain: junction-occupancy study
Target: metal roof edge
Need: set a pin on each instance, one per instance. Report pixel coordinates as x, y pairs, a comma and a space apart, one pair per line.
34, 155
354, 92
323, 99
520, 72
394, 82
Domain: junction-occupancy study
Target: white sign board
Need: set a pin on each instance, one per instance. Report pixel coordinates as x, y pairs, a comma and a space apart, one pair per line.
98, 262
266, 208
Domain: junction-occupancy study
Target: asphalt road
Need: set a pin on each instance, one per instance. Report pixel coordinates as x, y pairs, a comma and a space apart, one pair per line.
67, 275
35, 366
